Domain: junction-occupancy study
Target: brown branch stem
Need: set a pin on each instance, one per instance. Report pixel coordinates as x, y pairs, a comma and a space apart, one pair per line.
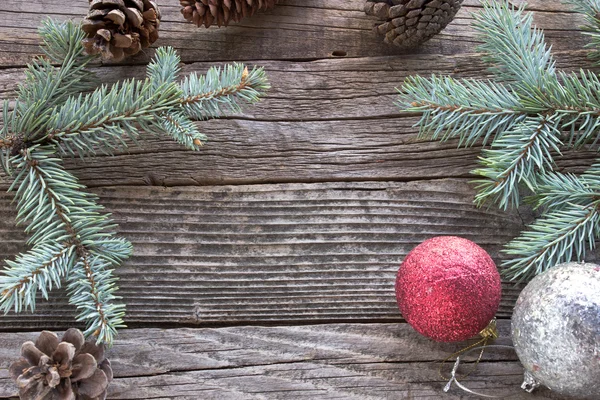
502, 177
34, 273
81, 251
226, 91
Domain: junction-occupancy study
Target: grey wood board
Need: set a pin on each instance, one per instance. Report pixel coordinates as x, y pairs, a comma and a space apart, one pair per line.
322, 121
333, 361
295, 29
272, 253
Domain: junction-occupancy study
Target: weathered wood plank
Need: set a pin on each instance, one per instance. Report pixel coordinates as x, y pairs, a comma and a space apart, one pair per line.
324, 120
335, 361
273, 253
296, 29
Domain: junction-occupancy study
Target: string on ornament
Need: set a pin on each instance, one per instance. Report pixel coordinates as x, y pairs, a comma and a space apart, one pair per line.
454, 378
490, 332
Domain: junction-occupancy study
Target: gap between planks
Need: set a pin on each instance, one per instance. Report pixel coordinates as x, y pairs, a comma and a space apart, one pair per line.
272, 254
335, 361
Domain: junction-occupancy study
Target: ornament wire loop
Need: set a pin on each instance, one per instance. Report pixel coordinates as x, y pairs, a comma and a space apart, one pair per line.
490, 332
454, 379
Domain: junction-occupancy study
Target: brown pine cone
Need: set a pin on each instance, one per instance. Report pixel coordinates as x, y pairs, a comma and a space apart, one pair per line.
70, 370
408, 23
221, 12
120, 28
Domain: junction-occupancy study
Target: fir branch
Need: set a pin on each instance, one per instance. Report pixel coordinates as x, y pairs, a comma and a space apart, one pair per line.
221, 90
555, 190
41, 268
48, 85
91, 290
102, 119
556, 237
59, 210
164, 67
591, 10
518, 157
468, 109
516, 49
71, 234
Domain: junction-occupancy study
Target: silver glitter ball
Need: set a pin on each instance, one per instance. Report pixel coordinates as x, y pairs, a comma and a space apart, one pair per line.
556, 330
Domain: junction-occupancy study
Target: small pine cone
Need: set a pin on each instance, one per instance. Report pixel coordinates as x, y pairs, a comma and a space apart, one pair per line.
71, 369
120, 28
221, 12
408, 23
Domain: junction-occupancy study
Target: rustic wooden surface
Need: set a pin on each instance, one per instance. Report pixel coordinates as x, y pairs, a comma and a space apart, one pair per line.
332, 361
296, 212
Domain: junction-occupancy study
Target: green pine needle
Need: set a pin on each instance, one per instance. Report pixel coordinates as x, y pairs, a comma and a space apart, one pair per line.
528, 114
59, 111
591, 10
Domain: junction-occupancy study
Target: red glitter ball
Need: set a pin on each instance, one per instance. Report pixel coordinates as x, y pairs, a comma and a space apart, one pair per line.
448, 289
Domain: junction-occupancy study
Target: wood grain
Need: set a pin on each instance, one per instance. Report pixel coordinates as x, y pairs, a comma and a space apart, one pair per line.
273, 253
327, 120
295, 29
270, 246
334, 361
324, 120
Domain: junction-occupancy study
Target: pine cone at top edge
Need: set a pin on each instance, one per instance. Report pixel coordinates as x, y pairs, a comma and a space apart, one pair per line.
221, 12
409, 23
119, 28
71, 369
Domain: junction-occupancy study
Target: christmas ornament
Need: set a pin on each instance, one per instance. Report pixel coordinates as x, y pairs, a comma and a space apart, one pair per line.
66, 370
448, 288
119, 28
556, 330
408, 23
221, 12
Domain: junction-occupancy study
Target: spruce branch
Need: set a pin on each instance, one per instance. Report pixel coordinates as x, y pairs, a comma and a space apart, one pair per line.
468, 109
46, 85
568, 227
72, 237
556, 237
221, 90
58, 210
518, 157
514, 47
179, 126
92, 290
556, 190
591, 11
102, 119
528, 113
41, 268
164, 67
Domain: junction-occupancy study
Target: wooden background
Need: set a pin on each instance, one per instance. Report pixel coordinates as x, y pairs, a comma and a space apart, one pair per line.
264, 264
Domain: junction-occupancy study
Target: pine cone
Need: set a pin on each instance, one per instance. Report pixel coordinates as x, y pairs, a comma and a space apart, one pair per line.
221, 12
408, 23
119, 28
70, 370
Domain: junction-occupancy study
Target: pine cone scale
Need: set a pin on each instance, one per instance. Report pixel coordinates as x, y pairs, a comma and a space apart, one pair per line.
75, 369
221, 12
408, 23
116, 28
83, 367
31, 353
